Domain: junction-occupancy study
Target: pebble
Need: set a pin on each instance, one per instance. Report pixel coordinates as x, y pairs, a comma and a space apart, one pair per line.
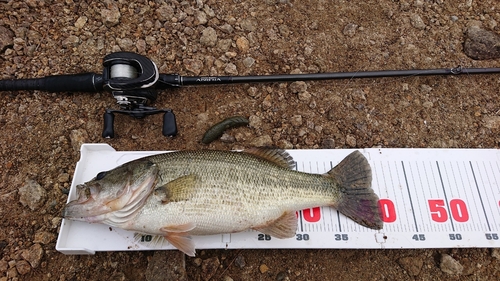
33, 255
282, 276
491, 122
253, 92
495, 253
304, 96
296, 120
81, 21
193, 65
32, 195
412, 265
262, 141
481, 44
209, 268
240, 261
255, 121
6, 38
350, 140
62, 178
165, 13
242, 44
226, 138
248, 24
417, 22
328, 143
350, 29
231, 69
111, 17
78, 137
248, 62
298, 87
263, 268
227, 28
208, 37
284, 144
227, 278
197, 261
23, 267
44, 237
450, 265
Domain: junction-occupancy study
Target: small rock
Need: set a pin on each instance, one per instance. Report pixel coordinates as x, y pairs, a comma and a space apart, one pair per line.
71, 41
328, 143
33, 255
491, 122
227, 28
284, 144
298, 87
197, 261
231, 69
6, 38
428, 104
350, 29
32, 194
208, 37
417, 22
80, 22
78, 137
117, 276
248, 62
165, 13
304, 96
350, 140
412, 265
296, 120
23, 267
243, 44
425, 88
240, 261
255, 121
126, 44
263, 268
495, 253
193, 65
450, 265
110, 17
209, 268
62, 178
262, 141
227, 138
481, 44
267, 102
227, 278
200, 18
44, 237
253, 92
248, 24
4, 265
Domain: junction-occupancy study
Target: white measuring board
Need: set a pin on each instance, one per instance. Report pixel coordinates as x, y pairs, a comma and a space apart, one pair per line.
429, 198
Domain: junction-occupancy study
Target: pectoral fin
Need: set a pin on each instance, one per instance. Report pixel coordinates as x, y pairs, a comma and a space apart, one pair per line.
178, 236
176, 190
284, 227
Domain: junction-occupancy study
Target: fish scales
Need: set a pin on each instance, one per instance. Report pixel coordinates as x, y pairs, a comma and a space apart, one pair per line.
229, 196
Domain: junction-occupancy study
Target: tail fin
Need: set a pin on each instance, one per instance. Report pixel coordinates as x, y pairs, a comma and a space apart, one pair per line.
358, 201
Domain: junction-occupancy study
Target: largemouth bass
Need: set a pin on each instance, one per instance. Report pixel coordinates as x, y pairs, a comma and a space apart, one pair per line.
184, 193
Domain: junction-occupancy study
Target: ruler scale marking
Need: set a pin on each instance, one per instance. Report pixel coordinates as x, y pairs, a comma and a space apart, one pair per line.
446, 202
480, 197
409, 195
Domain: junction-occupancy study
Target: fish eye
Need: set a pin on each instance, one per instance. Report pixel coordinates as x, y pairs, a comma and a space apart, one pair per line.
100, 176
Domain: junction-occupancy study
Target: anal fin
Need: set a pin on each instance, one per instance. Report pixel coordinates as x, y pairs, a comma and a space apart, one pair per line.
283, 227
178, 236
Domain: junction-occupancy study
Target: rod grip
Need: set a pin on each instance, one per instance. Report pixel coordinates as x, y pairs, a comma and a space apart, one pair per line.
84, 82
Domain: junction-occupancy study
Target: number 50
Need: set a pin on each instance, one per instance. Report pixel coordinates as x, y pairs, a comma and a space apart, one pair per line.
439, 213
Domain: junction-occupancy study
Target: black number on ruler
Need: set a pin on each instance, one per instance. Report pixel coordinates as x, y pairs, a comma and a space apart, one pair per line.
146, 238
341, 237
491, 236
264, 237
302, 237
419, 237
456, 236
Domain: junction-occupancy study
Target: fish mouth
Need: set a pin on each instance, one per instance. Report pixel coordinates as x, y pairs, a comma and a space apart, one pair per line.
90, 208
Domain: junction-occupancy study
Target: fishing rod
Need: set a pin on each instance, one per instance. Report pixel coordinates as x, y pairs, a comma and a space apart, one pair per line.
134, 79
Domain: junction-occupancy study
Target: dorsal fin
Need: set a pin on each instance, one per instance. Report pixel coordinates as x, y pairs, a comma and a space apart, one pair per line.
274, 155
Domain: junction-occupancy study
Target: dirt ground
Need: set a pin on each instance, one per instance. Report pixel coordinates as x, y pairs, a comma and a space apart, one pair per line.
41, 132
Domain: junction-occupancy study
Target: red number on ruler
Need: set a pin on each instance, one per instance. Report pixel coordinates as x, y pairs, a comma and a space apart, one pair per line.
458, 210
438, 211
387, 210
312, 215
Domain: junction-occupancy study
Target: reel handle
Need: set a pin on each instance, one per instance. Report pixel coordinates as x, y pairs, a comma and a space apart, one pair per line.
108, 131
169, 124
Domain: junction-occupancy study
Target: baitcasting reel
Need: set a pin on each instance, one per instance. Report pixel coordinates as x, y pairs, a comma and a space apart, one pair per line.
131, 78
